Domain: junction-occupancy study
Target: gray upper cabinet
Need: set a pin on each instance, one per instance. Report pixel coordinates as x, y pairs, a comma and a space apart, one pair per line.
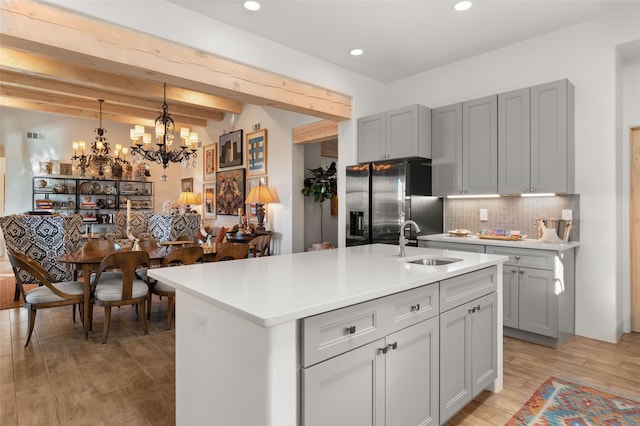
552, 137
514, 142
536, 140
465, 147
401, 133
446, 144
480, 146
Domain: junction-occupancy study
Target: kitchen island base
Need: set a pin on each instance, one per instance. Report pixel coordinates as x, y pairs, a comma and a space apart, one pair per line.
258, 352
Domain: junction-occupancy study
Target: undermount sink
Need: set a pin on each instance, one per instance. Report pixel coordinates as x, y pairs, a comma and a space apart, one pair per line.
434, 260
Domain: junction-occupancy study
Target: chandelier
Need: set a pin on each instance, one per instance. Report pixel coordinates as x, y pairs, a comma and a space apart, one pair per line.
100, 160
163, 154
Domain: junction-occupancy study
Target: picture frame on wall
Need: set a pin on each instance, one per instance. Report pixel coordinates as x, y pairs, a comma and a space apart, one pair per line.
256, 153
210, 159
186, 185
209, 200
251, 207
230, 195
230, 149
66, 169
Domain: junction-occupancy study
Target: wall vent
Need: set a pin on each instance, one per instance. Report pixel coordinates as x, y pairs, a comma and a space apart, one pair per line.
35, 136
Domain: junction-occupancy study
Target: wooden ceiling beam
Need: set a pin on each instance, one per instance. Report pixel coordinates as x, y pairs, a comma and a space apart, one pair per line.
45, 84
80, 40
30, 100
320, 131
16, 60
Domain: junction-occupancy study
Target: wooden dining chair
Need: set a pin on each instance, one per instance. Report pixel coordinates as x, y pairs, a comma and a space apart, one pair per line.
108, 291
49, 294
178, 256
233, 252
260, 246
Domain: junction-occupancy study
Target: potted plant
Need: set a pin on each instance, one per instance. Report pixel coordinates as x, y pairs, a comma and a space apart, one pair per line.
322, 185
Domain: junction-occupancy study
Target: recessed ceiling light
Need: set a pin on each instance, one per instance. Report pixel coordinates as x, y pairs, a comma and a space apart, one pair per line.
356, 52
252, 5
462, 5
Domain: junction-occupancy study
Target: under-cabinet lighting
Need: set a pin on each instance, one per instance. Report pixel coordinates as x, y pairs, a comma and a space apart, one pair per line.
475, 196
542, 194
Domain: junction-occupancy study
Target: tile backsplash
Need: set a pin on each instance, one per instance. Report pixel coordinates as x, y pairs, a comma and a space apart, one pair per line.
510, 213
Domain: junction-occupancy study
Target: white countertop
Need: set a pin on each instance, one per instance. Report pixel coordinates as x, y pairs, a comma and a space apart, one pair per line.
277, 289
527, 243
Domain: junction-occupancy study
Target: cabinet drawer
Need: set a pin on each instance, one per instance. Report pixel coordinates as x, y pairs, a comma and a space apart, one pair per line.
332, 333
464, 288
531, 258
412, 306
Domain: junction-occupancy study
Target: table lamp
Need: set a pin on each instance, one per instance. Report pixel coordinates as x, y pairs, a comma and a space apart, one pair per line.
260, 195
186, 199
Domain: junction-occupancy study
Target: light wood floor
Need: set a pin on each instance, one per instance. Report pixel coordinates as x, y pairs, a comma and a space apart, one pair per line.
61, 380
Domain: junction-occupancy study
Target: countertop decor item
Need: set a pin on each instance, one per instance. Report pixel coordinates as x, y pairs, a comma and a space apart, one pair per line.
163, 154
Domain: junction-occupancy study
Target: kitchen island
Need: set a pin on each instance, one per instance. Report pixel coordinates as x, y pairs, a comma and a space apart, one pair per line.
252, 335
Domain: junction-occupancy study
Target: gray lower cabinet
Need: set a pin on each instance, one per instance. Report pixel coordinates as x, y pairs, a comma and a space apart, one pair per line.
538, 294
468, 342
392, 381
471, 248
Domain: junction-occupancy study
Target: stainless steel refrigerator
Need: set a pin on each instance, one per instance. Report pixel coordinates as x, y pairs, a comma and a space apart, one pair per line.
381, 195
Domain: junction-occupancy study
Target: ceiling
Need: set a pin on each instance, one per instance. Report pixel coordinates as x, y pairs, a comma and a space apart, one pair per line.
400, 39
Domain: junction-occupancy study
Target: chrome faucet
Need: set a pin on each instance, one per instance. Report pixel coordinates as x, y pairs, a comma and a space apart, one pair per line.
402, 241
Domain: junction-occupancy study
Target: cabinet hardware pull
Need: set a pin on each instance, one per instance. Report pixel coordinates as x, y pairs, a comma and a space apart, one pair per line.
472, 310
521, 271
394, 345
513, 271
517, 257
415, 307
383, 350
350, 330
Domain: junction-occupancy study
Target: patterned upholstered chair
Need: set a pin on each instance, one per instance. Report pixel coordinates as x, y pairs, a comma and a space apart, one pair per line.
170, 227
43, 239
139, 226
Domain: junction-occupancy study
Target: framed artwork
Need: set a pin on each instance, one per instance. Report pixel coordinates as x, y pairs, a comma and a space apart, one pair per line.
257, 153
187, 185
251, 208
210, 158
209, 200
230, 196
230, 149
66, 169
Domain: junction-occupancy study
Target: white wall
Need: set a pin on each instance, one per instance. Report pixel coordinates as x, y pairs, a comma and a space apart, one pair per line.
629, 88
586, 55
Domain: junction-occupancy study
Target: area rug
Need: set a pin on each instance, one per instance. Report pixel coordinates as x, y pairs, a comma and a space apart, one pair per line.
561, 402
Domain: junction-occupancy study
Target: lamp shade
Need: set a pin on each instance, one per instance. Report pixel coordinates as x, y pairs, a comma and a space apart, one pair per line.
187, 198
259, 195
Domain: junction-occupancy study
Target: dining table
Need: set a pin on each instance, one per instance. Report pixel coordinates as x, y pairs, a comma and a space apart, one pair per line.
88, 261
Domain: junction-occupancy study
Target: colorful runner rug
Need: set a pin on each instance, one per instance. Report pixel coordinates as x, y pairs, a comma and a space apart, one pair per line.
560, 402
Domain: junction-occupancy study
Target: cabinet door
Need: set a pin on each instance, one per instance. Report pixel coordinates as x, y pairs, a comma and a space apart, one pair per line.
552, 137
510, 296
484, 342
407, 130
514, 142
455, 361
412, 375
446, 149
538, 307
480, 146
347, 389
371, 138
